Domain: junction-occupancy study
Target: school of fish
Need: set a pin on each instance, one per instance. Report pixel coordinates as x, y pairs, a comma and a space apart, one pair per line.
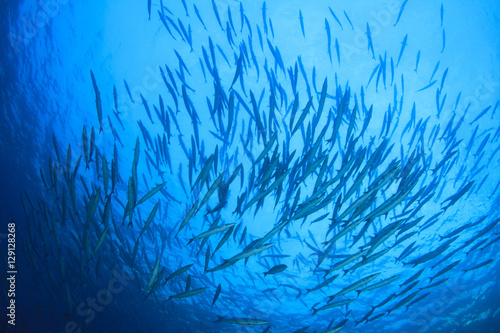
252, 181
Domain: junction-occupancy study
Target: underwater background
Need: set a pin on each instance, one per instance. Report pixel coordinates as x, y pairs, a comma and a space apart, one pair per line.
250, 166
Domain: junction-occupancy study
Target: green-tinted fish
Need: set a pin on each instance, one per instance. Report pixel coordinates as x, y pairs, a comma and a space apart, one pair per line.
92, 204
178, 272
211, 232
380, 284
156, 284
188, 216
211, 190
154, 274
302, 116
323, 284
403, 302
418, 299
355, 286
251, 252
134, 252
204, 171
241, 321
148, 195
346, 261
225, 264
100, 242
446, 269
189, 293
223, 239
267, 148
333, 305
150, 218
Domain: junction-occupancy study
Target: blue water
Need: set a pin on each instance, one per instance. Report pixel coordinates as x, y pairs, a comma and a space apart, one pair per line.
418, 79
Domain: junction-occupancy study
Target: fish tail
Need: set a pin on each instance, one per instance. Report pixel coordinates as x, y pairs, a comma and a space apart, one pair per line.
219, 319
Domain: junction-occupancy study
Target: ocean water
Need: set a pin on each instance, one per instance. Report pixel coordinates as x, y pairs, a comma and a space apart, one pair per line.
227, 166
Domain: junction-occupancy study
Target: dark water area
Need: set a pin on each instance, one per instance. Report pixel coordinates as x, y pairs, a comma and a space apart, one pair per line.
250, 166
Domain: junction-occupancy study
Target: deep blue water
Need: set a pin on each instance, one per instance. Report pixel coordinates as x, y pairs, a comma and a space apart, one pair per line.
366, 128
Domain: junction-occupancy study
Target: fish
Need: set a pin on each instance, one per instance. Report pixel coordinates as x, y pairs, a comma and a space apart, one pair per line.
101, 240
276, 269
335, 17
178, 272
380, 284
418, 299
154, 274
403, 301
150, 217
337, 48
264, 21
427, 86
445, 73
98, 102
403, 45
216, 296
151, 193
333, 305
300, 121
455, 197
322, 284
481, 114
444, 41
354, 286
370, 43
444, 270
348, 20
301, 19
199, 16
188, 216
477, 266
432, 254
329, 37
266, 150
238, 70
189, 293
250, 252
216, 12
210, 191
145, 103
214, 231
417, 61
400, 11
242, 321
441, 12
